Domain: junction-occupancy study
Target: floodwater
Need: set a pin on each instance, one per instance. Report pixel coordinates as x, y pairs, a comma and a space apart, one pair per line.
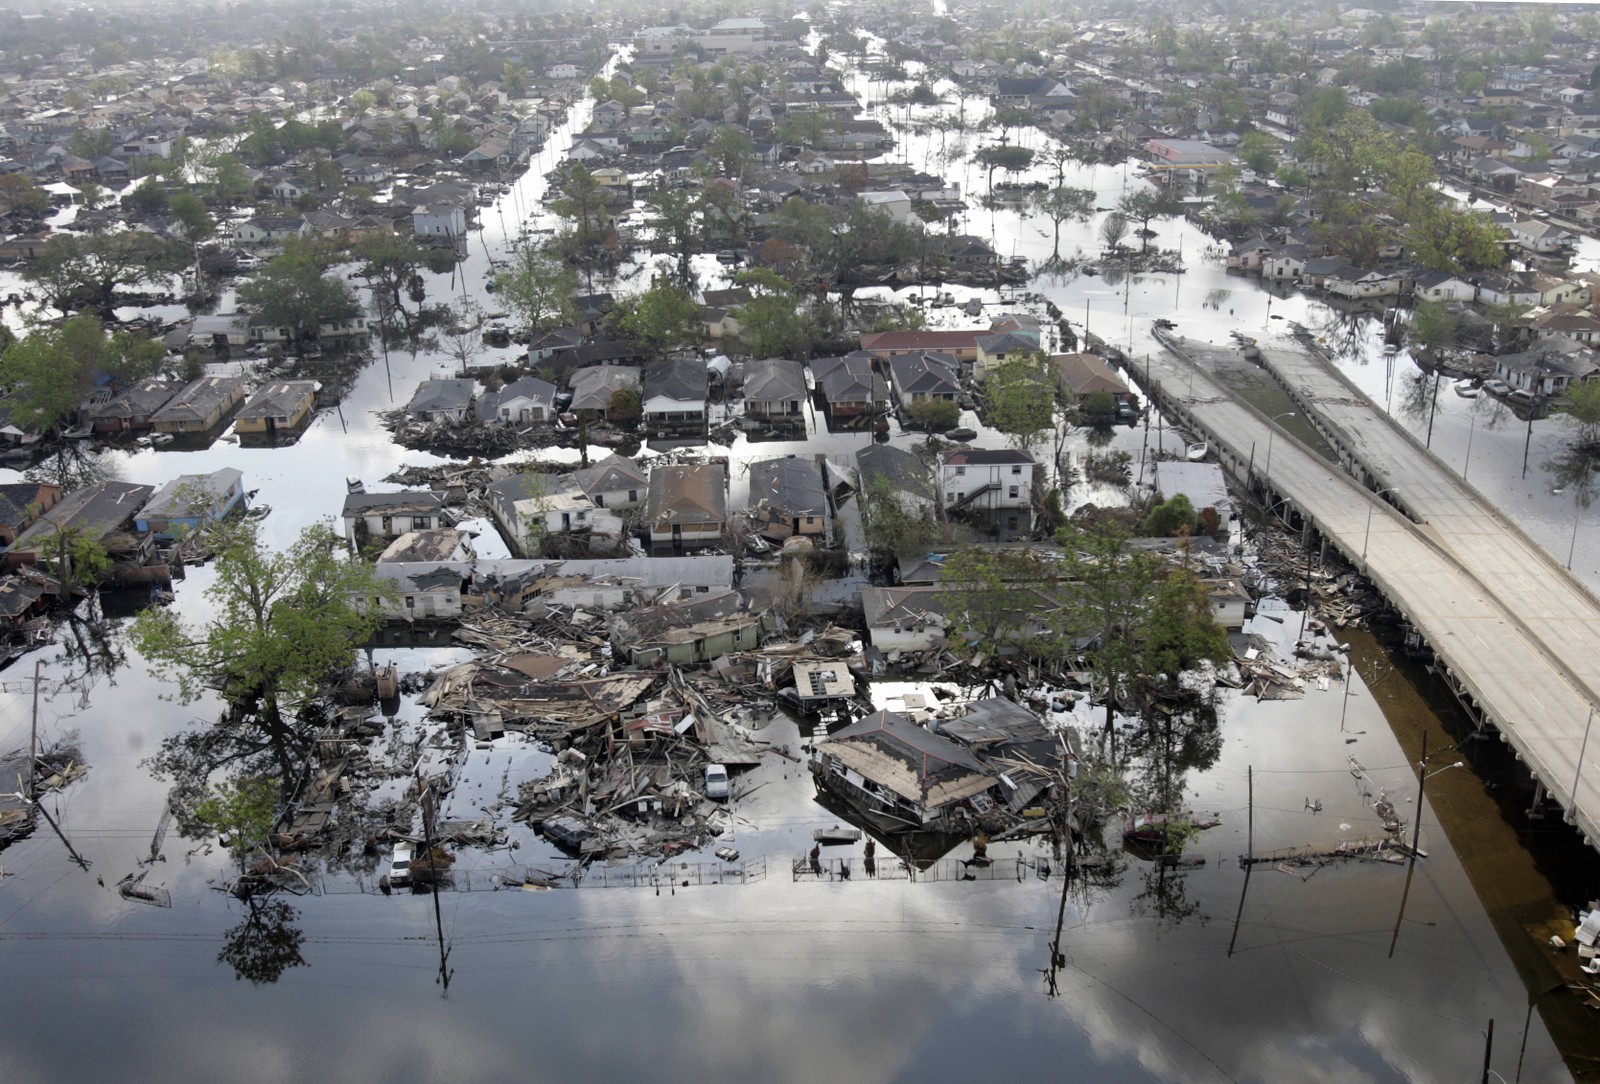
1336, 973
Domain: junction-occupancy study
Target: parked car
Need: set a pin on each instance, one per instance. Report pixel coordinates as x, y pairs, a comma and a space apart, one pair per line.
1466, 389
718, 788
1497, 387
1522, 397
400, 865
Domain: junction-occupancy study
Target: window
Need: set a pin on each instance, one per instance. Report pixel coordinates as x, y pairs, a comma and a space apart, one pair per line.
1016, 469
420, 523
961, 472
1013, 493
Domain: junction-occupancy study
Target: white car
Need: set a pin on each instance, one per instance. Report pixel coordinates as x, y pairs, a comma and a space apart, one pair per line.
400, 865
1497, 387
718, 788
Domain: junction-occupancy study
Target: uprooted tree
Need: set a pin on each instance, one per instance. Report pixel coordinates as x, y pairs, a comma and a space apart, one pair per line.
282, 624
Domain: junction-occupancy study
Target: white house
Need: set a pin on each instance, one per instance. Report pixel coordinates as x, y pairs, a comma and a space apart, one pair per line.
895, 204
1001, 478
439, 220
525, 400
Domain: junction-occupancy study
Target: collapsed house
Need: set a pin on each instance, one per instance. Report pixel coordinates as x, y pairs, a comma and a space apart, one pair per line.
902, 777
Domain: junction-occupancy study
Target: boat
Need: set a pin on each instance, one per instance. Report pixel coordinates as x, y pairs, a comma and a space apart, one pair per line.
838, 834
1196, 452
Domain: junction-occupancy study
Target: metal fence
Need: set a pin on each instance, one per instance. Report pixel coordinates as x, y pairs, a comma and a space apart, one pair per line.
894, 868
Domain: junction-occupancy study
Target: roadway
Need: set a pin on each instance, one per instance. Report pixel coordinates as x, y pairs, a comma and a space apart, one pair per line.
1512, 627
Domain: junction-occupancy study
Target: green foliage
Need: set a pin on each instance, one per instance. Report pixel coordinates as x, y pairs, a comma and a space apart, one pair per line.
1580, 406
85, 272
19, 195
1460, 242
190, 210
625, 407
539, 289
243, 810
78, 560
771, 322
1171, 518
1404, 111
278, 624
148, 198
979, 597
661, 318
1259, 153
50, 370
934, 415
890, 522
583, 204
293, 292
898, 317
1021, 398
1180, 630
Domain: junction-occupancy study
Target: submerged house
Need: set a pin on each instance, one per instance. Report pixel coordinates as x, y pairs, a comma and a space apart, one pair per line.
688, 505
686, 632
135, 406
390, 515
788, 497
191, 501
102, 513
901, 777
279, 407
200, 406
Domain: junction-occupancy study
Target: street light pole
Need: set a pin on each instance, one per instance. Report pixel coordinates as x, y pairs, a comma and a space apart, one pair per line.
1572, 802
1365, 535
1270, 432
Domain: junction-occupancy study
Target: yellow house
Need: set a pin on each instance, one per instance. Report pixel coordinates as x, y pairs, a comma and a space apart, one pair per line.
279, 407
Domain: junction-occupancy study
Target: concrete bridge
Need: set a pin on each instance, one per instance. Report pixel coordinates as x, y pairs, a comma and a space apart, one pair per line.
1514, 632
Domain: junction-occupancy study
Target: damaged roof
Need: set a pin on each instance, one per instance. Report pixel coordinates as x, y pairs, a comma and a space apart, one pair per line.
921, 767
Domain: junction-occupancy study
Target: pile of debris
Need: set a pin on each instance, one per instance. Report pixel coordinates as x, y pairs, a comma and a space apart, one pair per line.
1266, 677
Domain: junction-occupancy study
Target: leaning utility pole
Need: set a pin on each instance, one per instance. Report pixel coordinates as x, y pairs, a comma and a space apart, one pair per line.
433, 885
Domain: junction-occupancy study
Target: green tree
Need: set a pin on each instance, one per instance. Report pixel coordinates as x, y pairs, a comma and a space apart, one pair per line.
148, 198
771, 323
1172, 517
677, 225
891, 523
1259, 152
1021, 398
538, 289
625, 407
86, 272
1061, 203
1459, 242
1109, 590
983, 601
20, 196
934, 415
661, 318
1580, 410
1143, 204
292, 292
583, 204
79, 560
278, 625
50, 370
242, 811
190, 211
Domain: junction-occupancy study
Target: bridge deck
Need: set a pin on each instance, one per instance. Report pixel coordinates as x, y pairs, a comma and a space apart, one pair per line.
1511, 625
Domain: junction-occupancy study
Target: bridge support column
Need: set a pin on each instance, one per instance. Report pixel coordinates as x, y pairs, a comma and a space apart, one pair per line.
1539, 795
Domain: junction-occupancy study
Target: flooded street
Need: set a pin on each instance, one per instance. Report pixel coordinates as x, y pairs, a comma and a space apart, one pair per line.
1325, 972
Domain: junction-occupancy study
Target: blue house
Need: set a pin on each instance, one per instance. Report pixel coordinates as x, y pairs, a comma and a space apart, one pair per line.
189, 502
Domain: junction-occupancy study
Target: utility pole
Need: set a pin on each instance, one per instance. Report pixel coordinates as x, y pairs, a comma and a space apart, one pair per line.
433, 873
1416, 836
1250, 850
33, 737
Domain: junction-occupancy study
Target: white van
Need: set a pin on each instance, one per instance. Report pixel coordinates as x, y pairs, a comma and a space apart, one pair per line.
717, 786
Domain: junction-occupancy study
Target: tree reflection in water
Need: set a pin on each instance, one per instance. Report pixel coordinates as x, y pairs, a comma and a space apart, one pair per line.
1343, 334
266, 943
74, 465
